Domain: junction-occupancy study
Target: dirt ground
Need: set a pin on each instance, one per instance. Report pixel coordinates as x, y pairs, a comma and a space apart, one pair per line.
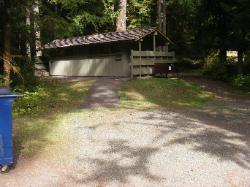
157, 147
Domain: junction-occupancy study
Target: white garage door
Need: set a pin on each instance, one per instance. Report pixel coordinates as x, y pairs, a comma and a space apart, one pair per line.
114, 66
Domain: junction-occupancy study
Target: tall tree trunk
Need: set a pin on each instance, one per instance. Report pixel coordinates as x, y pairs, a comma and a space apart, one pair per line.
7, 46
222, 56
122, 17
28, 41
240, 61
40, 69
7, 55
161, 14
162, 20
37, 29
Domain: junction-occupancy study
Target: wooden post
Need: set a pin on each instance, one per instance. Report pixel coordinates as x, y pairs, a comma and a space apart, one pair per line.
154, 41
132, 65
154, 45
140, 56
167, 44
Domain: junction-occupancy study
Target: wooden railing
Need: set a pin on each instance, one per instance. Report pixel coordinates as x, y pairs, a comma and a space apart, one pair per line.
143, 62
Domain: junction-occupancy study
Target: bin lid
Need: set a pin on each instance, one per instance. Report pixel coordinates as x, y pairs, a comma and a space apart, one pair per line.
14, 95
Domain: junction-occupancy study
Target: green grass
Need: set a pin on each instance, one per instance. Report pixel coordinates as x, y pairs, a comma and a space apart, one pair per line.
154, 92
50, 96
38, 113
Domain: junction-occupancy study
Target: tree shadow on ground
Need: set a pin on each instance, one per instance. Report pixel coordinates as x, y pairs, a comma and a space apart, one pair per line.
221, 128
132, 161
225, 137
222, 133
219, 137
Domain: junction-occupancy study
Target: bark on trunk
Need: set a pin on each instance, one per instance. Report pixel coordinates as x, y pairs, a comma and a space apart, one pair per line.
122, 17
240, 61
7, 55
37, 30
28, 25
162, 20
40, 69
7, 46
222, 56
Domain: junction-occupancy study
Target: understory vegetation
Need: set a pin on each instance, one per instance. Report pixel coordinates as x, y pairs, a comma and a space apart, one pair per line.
49, 96
242, 82
227, 71
155, 92
212, 68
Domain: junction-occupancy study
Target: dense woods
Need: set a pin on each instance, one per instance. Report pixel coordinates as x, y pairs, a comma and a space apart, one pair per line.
201, 31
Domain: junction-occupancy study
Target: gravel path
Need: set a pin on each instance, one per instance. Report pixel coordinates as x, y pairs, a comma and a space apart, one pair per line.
103, 94
160, 147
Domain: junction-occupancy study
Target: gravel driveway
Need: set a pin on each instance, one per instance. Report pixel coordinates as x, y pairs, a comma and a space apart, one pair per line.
159, 147
103, 94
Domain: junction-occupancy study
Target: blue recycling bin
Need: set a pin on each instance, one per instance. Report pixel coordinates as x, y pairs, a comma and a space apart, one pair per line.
6, 145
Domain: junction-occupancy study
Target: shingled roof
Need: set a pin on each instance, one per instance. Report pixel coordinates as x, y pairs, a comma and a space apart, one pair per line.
129, 35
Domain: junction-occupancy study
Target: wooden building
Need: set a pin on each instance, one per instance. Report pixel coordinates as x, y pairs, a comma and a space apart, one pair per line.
114, 54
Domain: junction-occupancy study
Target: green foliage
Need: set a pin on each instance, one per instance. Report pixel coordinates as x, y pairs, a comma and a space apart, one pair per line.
87, 16
195, 26
221, 25
181, 27
242, 82
141, 13
49, 96
53, 25
213, 68
30, 103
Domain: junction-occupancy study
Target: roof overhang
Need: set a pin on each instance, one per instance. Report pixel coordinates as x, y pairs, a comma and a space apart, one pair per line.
134, 35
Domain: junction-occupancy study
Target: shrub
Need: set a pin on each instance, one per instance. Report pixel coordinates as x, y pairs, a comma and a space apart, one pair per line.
242, 82
214, 69
31, 100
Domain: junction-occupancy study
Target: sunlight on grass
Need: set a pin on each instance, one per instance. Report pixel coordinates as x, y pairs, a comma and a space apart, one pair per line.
33, 131
154, 92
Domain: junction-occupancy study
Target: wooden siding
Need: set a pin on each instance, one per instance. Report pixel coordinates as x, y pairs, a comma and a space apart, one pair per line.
109, 66
143, 62
152, 54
